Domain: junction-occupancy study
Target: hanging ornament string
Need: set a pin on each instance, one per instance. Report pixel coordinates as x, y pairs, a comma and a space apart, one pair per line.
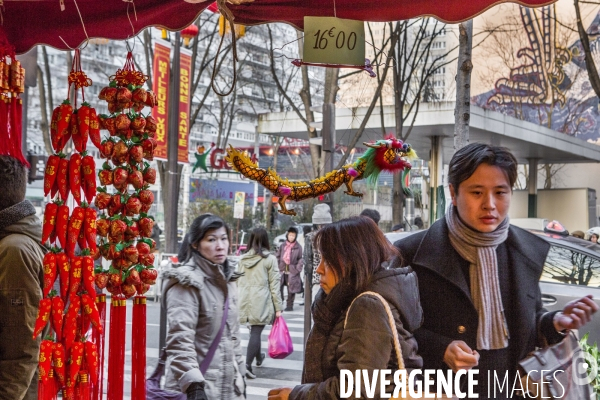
128, 75
87, 38
77, 77
228, 15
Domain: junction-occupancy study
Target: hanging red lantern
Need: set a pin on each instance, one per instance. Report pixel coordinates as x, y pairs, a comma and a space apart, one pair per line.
189, 33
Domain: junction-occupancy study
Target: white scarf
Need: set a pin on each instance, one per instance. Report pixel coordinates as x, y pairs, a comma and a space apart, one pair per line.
479, 249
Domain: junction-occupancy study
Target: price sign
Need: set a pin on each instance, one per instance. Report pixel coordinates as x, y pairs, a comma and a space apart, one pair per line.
329, 40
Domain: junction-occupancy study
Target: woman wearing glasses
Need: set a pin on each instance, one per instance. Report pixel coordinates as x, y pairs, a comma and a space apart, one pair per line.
203, 346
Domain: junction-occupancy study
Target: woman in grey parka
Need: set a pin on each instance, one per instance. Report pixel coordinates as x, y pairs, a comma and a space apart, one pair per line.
195, 294
260, 301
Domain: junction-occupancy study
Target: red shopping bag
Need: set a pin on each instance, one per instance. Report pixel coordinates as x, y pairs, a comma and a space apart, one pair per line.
280, 341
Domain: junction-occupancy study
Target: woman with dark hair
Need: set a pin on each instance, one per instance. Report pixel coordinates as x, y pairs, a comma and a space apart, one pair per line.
352, 328
200, 295
258, 287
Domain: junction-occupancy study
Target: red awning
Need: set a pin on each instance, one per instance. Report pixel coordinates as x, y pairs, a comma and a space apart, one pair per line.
28, 23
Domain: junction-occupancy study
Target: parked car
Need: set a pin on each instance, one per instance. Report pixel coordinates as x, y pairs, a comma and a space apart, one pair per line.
393, 237
571, 271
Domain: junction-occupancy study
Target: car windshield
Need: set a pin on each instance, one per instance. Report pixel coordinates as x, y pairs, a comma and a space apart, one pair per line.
569, 265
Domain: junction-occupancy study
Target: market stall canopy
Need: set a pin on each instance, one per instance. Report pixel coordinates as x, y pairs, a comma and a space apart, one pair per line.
31, 22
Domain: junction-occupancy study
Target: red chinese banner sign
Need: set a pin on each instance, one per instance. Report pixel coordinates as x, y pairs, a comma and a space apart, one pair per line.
183, 126
160, 85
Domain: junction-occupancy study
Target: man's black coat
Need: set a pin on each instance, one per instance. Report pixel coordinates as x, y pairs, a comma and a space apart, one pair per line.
449, 313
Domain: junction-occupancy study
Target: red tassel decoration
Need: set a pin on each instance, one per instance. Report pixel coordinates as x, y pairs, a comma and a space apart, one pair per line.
4, 138
49, 389
138, 349
116, 355
46, 375
98, 339
16, 129
84, 386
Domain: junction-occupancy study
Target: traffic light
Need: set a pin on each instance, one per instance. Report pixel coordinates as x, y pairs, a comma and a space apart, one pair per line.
37, 164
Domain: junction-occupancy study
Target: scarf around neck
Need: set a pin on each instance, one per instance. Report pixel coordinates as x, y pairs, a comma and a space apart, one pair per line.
15, 213
326, 310
287, 252
479, 249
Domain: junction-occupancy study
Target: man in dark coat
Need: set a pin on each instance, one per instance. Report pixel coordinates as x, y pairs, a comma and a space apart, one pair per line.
479, 277
289, 257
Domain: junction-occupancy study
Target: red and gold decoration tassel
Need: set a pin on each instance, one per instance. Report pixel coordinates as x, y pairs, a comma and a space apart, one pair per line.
123, 227
74, 308
47, 383
12, 83
84, 386
116, 355
98, 340
138, 349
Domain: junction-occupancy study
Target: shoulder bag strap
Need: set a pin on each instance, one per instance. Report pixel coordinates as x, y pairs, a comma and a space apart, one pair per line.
213, 347
390, 320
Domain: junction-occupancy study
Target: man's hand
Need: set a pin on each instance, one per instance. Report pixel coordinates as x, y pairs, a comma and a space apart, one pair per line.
280, 394
277, 314
576, 314
459, 355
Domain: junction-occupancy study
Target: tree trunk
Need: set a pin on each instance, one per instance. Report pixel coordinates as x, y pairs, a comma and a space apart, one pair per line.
462, 113
49, 78
331, 89
397, 192
548, 179
44, 125
310, 117
589, 60
277, 140
149, 57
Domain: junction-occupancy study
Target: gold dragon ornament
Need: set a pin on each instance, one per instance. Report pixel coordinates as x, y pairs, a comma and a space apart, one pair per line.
389, 155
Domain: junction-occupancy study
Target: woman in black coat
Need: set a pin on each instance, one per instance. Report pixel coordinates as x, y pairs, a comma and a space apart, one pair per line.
360, 336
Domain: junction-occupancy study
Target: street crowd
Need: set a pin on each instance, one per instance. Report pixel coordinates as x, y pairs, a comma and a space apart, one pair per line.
460, 295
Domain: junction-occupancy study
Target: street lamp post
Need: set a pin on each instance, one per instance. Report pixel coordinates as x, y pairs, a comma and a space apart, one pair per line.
171, 201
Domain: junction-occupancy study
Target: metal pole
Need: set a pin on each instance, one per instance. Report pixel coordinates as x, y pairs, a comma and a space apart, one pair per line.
171, 211
171, 202
308, 270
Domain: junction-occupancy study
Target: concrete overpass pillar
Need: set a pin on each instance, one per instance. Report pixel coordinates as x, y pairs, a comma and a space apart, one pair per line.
532, 185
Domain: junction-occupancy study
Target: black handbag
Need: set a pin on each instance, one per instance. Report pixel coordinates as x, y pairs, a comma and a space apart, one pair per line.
557, 372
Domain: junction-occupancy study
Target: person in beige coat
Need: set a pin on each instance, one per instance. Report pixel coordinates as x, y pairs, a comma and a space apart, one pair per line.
21, 277
260, 300
195, 295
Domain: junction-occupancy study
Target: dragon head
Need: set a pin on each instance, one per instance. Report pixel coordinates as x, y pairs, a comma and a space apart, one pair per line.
391, 154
